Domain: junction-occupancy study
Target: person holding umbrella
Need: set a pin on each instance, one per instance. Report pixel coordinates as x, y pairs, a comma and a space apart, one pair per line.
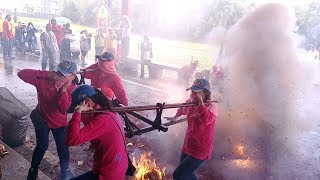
57, 30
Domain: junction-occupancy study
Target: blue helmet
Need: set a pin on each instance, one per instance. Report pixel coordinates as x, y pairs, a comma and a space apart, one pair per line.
200, 85
80, 94
67, 68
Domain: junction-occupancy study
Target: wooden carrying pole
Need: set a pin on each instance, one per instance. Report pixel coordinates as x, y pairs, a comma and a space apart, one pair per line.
145, 108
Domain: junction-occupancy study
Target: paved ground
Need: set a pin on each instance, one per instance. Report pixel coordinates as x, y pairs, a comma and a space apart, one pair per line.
227, 163
13, 162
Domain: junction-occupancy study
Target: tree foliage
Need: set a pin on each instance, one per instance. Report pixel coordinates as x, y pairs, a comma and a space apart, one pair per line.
308, 23
84, 12
70, 11
223, 13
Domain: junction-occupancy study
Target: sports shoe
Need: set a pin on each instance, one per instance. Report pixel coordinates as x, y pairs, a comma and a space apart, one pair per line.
32, 174
66, 175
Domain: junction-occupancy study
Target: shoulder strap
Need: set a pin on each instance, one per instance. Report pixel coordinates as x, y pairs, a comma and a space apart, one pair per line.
124, 141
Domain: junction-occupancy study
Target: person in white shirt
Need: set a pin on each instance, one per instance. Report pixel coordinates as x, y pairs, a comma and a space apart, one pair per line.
49, 49
85, 45
126, 28
146, 54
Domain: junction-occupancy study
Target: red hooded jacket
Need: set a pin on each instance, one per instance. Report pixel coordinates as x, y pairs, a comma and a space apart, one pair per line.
104, 78
52, 104
110, 159
198, 141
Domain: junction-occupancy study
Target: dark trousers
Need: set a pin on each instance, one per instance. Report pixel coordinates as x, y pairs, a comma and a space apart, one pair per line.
42, 135
20, 45
31, 45
7, 47
143, 63
87, 176
186, 168
65, 51
99, 50
48, 56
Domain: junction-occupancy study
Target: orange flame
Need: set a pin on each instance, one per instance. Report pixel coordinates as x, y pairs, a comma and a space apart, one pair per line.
147, 169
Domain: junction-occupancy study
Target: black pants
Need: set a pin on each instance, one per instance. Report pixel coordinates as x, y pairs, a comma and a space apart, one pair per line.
7, 47
65, 51
143, 63
87, 176
48, 57
20, 45
42, 135
31, 45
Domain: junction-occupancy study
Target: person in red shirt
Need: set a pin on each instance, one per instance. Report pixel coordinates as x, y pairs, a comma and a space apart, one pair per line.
58, 31
103, 75
103, 130
53, 89
7, 38
198, 142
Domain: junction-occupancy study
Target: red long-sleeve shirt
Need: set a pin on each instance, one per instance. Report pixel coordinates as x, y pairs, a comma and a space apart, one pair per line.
7, 30
52, 104
57, 30
106, 136
198, 141
111, 81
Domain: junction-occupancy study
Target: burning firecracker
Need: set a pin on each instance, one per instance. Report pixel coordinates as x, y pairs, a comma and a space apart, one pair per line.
147, 169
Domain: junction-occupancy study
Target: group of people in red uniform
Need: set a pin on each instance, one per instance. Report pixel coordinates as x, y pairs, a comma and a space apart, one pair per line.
59, 95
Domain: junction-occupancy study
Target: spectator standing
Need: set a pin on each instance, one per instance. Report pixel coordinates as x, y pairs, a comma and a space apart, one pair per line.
99, 41
85, 45
126, 28
111, 43
49, 49
31, 37
20, 38
14, 25
1, 27
65, 51
145, 54
7, 38
67, 29
58, 31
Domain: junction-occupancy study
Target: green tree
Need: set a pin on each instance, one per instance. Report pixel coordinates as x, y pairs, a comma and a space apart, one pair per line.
308, 22
223, 13
71, 11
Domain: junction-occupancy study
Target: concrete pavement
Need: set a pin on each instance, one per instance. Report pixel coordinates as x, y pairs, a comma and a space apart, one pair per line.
14, 166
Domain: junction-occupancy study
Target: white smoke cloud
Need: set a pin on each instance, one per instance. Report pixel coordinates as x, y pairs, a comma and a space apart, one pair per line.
268, 103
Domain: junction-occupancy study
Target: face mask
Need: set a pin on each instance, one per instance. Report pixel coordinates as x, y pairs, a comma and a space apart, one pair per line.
107, 67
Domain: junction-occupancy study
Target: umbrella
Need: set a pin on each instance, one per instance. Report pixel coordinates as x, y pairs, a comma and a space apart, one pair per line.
63, 20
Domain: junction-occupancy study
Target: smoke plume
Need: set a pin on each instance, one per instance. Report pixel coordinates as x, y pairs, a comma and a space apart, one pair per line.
268, 106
